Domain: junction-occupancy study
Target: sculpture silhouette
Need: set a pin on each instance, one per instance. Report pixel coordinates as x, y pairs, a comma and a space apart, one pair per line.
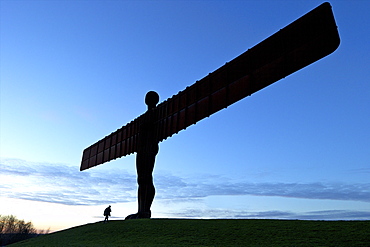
145, 158
304, 41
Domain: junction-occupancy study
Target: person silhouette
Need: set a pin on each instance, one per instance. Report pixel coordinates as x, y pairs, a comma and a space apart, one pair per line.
107, 212
145, 158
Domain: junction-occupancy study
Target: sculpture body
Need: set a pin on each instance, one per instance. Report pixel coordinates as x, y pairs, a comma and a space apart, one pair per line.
145, 158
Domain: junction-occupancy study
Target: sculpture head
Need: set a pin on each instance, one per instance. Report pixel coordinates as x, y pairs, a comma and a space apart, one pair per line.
151, 99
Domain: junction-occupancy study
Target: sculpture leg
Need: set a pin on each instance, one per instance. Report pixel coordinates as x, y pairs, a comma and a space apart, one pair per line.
146, 191
146, 194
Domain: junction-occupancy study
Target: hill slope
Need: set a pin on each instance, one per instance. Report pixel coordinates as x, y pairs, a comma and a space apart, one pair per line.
171, 232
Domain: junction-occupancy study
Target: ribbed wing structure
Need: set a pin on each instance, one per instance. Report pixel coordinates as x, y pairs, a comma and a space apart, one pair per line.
119, 143
306, 40
301, 43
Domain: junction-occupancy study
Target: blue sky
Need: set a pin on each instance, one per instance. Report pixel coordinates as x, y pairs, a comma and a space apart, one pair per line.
74, 71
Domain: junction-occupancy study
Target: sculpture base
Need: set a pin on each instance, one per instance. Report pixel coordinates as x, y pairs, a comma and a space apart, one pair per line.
139, 215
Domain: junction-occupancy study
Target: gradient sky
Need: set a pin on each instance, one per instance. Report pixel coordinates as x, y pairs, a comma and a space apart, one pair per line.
72, 72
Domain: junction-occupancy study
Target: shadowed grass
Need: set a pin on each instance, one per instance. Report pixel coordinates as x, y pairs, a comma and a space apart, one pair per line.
177, 232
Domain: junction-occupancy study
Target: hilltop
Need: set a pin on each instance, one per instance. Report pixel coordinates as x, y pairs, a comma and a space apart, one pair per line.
186, 232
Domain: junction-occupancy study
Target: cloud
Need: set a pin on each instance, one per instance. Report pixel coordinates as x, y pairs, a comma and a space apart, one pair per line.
59, 183
183, 188
64, 184
243, 214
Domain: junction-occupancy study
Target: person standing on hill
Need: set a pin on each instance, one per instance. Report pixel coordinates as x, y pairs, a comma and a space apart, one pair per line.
107, 213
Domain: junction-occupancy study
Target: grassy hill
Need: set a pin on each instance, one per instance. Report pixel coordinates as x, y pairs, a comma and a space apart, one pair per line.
177, 232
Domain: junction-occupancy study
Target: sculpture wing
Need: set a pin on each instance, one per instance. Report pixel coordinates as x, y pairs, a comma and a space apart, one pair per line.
304, 41
119, 143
